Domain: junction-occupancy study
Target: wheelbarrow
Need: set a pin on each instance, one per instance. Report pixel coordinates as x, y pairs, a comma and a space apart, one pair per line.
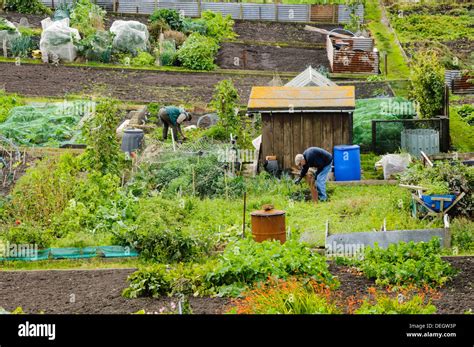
436, 205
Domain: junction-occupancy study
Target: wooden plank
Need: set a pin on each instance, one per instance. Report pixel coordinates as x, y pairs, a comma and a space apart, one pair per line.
296, 136
326, 132
287, 139
308, 131
316, 127
337, 138
267, 135
278, 138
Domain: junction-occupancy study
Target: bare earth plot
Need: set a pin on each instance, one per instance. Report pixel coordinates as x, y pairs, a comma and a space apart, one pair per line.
99, 291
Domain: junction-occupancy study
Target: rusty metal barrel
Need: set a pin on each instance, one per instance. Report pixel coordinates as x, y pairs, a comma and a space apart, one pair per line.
268, 224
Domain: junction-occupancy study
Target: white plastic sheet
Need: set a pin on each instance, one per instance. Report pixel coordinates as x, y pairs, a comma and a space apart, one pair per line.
393, 163
8, 36
58, 39
130, 36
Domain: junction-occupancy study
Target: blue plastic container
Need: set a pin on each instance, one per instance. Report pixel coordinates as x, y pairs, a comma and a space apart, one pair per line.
436, 204
347, 163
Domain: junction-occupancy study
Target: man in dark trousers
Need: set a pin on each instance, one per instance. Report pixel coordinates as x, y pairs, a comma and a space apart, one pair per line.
321, 160
172, 117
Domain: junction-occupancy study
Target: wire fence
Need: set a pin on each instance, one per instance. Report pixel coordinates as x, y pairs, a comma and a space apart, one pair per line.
389, 136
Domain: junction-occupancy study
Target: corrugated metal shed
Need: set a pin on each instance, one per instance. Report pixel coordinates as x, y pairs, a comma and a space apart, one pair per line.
291, 99
310, 78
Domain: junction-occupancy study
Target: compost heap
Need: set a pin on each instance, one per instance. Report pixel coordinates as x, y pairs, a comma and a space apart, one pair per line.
379, 108
45, 125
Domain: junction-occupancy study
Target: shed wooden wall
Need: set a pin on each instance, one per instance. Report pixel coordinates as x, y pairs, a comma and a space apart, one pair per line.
287, 134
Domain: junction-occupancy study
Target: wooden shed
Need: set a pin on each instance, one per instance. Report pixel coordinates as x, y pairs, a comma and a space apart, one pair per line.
295, 118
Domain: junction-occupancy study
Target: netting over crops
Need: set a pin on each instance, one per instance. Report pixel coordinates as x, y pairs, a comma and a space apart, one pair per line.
130, 36
44, 125
379, 108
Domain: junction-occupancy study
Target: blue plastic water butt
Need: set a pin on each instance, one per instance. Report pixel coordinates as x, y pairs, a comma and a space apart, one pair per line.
347, 163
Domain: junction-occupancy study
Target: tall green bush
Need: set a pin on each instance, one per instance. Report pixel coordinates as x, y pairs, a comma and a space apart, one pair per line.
87, 17
427, 81
218, 27
226, 101
103, 151
26, 6
169, 16
198, 52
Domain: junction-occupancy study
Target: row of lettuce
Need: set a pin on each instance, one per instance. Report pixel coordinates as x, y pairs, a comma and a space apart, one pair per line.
78, 30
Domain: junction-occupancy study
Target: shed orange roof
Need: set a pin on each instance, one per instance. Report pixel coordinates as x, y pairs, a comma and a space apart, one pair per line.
302, 98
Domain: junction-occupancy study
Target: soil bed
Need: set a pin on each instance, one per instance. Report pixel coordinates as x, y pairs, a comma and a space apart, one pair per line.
140, 86
96, 291
279, 32
275, 58
99, 291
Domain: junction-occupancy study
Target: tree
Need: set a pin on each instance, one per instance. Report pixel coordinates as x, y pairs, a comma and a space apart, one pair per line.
427, 84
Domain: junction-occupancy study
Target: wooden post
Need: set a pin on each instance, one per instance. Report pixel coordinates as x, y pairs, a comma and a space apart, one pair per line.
374, 135
245, 208
385, 63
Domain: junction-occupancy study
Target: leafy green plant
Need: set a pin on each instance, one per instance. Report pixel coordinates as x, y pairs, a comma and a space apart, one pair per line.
169, 16
246, 262
462, 234
159, 235
194, 26
29, 234
87, 17
43, 191
7, 103
167, 53
406, 264
21, 46
226, 101
198, 52
27, 7
103, 151
97, 46
218, 27
387, 305
427, 81
143, 59
444, 177
154, 282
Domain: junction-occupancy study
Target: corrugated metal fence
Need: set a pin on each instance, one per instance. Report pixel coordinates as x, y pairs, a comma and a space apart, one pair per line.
247, 11
458, 83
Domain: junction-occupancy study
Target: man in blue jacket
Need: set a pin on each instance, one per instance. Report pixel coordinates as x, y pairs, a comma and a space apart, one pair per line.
321, 160
172, 117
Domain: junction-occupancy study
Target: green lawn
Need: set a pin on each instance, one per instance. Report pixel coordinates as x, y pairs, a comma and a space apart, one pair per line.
462, 134
385, 42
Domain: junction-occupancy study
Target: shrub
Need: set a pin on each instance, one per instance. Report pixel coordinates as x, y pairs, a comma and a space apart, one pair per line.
194, 26
178, 37
405, 264
157, 27
218, 27
198, 52
246, 262
169, 16
97, 47
7, 102
143, 59
28, 234
158, 233
444, 177
103, 151
87, 17
226, 100
427, 84
463, 235
44, 190
27, 7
